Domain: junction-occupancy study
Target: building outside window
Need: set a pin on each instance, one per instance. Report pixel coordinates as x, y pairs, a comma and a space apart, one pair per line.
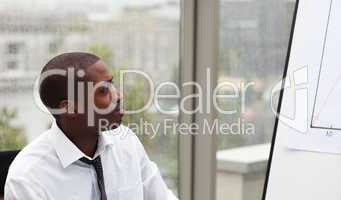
125, 34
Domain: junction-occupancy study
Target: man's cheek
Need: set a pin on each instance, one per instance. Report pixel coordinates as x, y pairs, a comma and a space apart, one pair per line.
102, 103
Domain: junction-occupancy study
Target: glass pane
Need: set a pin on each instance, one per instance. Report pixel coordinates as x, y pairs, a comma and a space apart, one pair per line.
126, 34
254, 37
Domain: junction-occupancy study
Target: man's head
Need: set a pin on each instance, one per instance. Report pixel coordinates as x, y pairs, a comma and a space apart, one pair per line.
78, 87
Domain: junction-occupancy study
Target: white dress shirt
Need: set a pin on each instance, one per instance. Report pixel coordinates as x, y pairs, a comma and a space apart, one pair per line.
49, 169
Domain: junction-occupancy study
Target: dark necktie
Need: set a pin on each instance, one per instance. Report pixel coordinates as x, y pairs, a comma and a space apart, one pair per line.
99, 171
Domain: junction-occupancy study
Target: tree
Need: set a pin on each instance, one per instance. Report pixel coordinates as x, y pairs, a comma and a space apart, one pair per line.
104, 51
11, 137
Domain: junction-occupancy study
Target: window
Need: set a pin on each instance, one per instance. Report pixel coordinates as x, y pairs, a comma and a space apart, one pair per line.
12, 65
144, 35
125, 34
254, 37
13, 48
53, 47
15, 55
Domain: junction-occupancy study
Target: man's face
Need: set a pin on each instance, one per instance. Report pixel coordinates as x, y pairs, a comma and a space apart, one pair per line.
104, 96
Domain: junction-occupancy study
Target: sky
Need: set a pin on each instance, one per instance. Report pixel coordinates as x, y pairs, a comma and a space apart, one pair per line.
52, 4
96, 9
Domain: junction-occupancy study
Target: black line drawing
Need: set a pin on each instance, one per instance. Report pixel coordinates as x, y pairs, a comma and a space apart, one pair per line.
317, 111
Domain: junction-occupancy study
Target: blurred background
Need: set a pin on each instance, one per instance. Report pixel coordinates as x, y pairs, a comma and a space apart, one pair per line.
145, 35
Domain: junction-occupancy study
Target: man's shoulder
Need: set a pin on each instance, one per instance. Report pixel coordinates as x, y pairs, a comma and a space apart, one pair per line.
33, 157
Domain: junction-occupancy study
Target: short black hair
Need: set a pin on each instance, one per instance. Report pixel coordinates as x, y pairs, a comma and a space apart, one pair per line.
54, 89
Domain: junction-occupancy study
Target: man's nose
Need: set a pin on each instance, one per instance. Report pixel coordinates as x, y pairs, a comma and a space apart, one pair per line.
116, 99
118, 94
115, 94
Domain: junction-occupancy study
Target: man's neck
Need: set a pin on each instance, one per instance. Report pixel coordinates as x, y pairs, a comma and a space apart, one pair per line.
85, 139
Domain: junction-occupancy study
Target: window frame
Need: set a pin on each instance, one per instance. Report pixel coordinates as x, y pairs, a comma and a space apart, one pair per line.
199, 23
199, 52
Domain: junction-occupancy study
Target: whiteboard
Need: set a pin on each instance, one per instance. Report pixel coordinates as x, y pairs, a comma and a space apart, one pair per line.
305, 160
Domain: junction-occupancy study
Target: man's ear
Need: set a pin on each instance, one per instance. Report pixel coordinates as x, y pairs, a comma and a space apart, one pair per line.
69, 106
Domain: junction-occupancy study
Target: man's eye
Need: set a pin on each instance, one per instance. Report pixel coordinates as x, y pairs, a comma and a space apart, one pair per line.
103, 90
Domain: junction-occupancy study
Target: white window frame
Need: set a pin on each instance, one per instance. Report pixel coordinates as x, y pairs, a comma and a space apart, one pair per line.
199, 52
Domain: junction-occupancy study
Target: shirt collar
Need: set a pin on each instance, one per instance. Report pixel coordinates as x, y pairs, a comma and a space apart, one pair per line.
68, 152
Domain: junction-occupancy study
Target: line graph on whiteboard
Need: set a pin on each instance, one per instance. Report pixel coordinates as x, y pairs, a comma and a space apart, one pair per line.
327, 104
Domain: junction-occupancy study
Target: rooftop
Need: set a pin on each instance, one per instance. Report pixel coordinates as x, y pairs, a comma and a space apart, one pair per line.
244, 159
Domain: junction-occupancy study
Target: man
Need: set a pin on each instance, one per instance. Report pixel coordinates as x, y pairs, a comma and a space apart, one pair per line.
74, 159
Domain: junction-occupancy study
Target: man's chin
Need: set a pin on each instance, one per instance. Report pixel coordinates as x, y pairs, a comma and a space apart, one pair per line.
116, 125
